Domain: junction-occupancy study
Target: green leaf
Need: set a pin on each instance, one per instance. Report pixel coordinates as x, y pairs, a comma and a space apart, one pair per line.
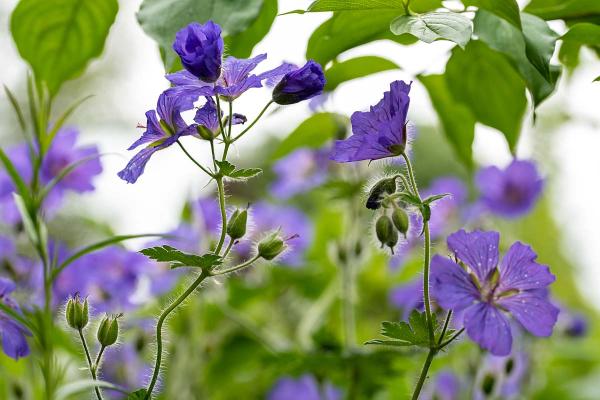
354, 68
505, 9
97, 246
27, 219
348, 29
138, 395
411, 333
564, 9
241, 44
315, 131
347, 5
15, 104
395, 343
457, 120
579, 35
59, 38
228, 169
435, 197
540, 42
500, 102
505, 38
47, 140
16, 179
84, 385
178, 259
597, 79
161, 19
435, 26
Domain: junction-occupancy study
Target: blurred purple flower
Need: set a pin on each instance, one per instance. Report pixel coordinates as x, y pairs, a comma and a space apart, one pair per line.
291, 221
200, 48
124, 366
207, 215
14, 336
159, 134
486, 290
408, 297
299, 172
501, 377
379, 133
300, 84
511, 192
305, 387
572, 323
446, 386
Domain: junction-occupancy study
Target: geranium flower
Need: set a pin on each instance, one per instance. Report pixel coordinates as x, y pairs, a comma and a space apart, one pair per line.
14, 336
488, 291
300, 84
379, 133
299, 171
200, 48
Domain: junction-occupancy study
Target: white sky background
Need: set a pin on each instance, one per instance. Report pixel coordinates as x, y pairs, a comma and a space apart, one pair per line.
127, 80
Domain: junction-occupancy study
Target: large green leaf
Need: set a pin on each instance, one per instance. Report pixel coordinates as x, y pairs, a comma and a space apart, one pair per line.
486, 82
579, 35
419, 6
355, 68
241, 44
161, 19
503, 37
540, 42
505, 9
457, 120
349, 29
564, 9
313, 132
433, 26
59, 38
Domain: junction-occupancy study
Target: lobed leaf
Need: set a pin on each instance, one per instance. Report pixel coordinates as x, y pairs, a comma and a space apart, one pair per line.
177, 258
228, 169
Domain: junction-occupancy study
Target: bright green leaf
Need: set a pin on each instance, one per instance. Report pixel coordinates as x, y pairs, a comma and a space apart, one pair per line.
241, 44
138, 395
579, 35
540, 42
456, 118
411, 333
315, 131
597, 79
349, 29
433, 26
228, 169
161, 19
499, 102
348, 5
225, 167
505, 38
564, 9
59, 38
355, 68
178, 259
505, 9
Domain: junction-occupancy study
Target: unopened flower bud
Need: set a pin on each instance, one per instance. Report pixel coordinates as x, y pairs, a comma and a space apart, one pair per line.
386, 234
236, 228
77, 312
378, 191
400, 220
271, 246
108, 331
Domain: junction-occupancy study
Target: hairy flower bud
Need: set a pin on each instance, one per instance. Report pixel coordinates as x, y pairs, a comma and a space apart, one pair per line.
77, 312
400, 220
386, 234
300, 84
387, 185
200, 48
236, 228
108, 331
271, 246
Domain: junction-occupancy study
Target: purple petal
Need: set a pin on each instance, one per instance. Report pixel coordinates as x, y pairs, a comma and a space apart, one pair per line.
6, 286
303, 388
137, 164
451, 286
533, 311
207, 115
14, 342
487, 326
519, 270
477, 249
274, 76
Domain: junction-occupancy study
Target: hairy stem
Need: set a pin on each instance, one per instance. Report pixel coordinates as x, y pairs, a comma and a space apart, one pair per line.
252, 123
194, 160
91, 366
221, 190
423, 376
243, 265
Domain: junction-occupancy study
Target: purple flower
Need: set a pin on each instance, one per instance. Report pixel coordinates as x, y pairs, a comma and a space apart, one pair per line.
299, 172
446, 386
408, 297
572, 323
200, 48
380, 132
487, 291
207, 216
208, 122
14, 336
501, 377
161, 133
448, 208
300, 84
305, 387
511, 192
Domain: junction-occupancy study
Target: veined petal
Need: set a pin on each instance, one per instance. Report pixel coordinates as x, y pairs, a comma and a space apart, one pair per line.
153, 131
135, 168
488, 327
533, 311
451, 286
236, 70
519, 270
477, 249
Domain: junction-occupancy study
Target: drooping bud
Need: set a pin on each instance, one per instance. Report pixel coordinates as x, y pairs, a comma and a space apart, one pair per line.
77, 312
108, 331
236, 227
386, 234
300, 84
271, 246
400, 220
378, 191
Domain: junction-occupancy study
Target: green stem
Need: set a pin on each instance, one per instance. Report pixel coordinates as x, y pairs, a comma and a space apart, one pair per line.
194, 160
212, 152
228, 248
237, 267
455, 336
445, 328
253, 122
411, 175
89, 360
161, 320
99, 358
423, 376
221, 190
